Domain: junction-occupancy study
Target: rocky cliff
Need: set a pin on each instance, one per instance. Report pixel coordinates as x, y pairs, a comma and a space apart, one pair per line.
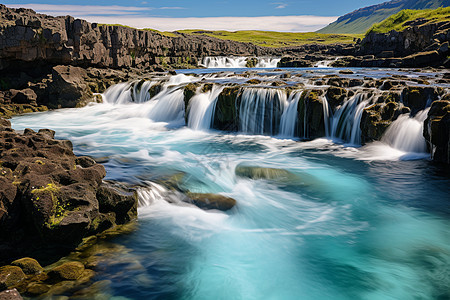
420, 44
28, 37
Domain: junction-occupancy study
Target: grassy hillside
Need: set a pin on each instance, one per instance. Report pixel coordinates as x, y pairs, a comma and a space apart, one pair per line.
276, 39
397, 21
359, 21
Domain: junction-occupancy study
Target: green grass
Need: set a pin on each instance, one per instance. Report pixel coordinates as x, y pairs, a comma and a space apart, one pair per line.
276, 39
397, 21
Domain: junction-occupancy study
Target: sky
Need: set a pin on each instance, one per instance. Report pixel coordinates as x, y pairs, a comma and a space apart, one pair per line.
170, 15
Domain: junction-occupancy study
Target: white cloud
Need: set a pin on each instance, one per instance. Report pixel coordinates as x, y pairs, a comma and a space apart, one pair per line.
82, 10
134, 16
271, 23
280, 5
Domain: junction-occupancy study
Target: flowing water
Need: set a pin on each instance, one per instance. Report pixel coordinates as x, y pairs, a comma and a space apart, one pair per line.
347, 223
238, 62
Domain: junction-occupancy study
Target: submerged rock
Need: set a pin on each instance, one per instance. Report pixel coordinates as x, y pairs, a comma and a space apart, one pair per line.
264, 173
211, 201
66, 271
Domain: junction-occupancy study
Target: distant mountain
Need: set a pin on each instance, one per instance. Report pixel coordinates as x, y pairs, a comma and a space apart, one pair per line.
359, 21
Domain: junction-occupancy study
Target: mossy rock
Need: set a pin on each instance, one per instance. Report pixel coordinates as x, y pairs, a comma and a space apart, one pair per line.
10, 276
212, 201
36, 289
28, 265
253, 81
251, 62
66, 271
264, 173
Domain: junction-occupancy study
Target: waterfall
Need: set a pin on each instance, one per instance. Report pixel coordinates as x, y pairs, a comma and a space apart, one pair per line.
325, 63
118, 94
406, 133
166, 106
289, 117
238, 62
260, 110
269, 62
201, 108
326, 115
346, 122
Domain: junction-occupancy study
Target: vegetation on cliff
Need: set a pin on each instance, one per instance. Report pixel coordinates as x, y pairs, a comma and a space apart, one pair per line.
402, 20
359, 21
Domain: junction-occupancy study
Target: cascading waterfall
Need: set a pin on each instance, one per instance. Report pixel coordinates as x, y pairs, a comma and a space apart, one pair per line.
268, 62
325, 64
166, 106
261, 109
346, 122
326, 115
238, 62
289, 118
406, 133
201, 108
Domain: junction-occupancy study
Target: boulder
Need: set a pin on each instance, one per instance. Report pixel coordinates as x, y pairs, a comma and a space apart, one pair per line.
211, 201
10, 276
28, 265
253, 172
66, 271
10, 295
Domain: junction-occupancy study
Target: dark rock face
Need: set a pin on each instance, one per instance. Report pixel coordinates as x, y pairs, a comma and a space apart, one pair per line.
51, 198
437, 131
226, 115
419, 45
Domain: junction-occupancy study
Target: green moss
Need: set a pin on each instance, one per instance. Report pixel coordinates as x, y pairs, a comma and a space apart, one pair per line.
59, 210
397, 21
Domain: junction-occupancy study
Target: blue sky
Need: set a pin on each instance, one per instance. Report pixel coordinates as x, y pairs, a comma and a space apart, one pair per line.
278, 15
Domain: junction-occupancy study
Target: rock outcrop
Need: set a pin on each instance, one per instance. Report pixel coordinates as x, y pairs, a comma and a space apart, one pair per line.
421, 44
51, 199
437, 130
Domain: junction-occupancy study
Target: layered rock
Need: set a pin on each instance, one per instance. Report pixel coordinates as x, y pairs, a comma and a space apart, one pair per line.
49, 197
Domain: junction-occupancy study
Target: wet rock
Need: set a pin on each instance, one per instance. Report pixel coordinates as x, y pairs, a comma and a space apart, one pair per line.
311, 108
36, 289
346, 71
49, 198
225, 117
211, 201
66, 271
336, 96
10, 295
253, 81
10, 276
437, 131
263, 173
28, 265
416, 97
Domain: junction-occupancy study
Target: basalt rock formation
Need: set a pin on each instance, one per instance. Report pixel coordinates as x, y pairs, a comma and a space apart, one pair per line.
51, 199
421, 44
